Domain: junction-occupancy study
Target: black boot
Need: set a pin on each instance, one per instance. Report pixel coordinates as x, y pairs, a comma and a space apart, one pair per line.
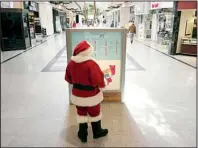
82, 133
97, 130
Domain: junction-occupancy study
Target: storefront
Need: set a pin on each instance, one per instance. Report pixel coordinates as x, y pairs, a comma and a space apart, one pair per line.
187, 35
69, 19
116, 18
143, 20
46, 17
113, 16
119, 16
162, 23
59, 20
14, 27
33, 17
132, 13
125, 15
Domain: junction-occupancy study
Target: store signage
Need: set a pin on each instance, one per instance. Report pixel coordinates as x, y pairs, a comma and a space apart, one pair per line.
160, 5
182, 5
154, 5
6, 4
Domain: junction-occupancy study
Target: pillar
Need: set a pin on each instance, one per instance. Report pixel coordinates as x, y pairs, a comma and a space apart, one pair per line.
175, 30
1, 46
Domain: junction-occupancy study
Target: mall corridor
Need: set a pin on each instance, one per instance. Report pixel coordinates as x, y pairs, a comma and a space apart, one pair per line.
159, 106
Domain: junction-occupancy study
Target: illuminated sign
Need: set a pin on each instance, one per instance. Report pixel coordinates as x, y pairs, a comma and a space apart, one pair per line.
154, 5
160, 5
6, 4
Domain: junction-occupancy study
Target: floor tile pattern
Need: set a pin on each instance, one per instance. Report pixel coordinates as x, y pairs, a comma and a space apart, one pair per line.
158, 109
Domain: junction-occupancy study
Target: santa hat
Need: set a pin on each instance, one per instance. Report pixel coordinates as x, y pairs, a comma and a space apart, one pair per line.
83, 49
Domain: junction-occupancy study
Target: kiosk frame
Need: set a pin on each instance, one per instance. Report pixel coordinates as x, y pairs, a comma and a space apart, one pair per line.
123, 32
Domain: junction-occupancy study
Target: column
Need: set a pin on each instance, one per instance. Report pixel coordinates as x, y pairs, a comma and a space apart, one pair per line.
175, 29
1, 45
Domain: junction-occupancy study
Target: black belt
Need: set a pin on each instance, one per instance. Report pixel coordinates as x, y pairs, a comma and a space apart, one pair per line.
84, 87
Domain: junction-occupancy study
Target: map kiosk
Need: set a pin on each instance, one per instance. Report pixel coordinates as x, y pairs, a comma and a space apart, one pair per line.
110, 53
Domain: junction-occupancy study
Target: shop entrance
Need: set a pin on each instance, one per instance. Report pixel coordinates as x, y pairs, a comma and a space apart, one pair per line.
164, 29
187, 37
162, 24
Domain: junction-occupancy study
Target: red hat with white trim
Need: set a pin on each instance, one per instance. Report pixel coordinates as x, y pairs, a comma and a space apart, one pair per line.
83, 48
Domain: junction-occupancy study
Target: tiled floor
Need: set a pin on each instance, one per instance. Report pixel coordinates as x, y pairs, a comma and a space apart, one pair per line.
8, 54
187, 59
191, 60
5, 55
57, 64
159, 106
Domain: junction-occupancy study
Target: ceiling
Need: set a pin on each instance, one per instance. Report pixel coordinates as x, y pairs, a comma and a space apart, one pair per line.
100, 5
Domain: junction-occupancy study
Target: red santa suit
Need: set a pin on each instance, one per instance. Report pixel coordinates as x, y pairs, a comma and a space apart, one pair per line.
87, 79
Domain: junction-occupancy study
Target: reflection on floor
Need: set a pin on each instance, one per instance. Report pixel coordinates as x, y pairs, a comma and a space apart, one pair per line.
56, 131
123, 130
9, 54
158, 96
191, 60
5, 55
159, 106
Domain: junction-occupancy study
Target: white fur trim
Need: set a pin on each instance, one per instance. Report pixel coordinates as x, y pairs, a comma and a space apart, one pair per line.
80, 59
88, 101
83, 56
95, 119
82, 119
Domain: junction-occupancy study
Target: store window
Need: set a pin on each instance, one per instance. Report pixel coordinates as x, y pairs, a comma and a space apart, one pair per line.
187, 41
132, 9
119, 16
164, 33
116, 19
194, 32
141, 19
132, 18
150, 24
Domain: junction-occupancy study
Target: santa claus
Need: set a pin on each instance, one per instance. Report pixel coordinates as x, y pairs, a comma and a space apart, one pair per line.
88, 81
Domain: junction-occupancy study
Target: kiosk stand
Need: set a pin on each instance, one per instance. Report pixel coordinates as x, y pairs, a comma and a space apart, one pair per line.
109, 52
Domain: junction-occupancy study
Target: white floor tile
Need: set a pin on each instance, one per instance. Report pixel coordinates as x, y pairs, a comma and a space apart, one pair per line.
159, 105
